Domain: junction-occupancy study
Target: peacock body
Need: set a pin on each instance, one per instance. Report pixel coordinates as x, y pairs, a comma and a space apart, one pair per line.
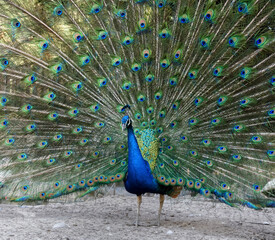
192, 82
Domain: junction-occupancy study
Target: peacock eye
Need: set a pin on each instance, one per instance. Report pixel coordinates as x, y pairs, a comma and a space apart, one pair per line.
243, 8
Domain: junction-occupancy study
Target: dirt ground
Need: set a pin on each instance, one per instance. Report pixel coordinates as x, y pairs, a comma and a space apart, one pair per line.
113, 217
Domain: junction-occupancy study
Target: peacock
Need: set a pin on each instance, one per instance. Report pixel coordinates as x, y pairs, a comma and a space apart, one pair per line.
163, 95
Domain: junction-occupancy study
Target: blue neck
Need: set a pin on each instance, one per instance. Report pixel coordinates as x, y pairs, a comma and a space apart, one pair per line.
139, 179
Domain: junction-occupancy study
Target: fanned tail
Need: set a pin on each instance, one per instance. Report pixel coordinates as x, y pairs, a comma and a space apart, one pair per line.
199, 74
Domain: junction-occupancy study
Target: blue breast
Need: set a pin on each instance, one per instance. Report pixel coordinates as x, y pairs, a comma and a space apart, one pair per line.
139, 178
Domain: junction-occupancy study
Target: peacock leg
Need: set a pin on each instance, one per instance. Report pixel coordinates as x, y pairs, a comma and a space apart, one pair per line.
139, 200
161, 201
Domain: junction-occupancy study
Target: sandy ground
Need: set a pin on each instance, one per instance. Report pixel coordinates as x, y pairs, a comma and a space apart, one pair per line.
113, 217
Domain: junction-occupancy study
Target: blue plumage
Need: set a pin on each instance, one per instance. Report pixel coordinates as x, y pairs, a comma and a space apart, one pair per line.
139, 179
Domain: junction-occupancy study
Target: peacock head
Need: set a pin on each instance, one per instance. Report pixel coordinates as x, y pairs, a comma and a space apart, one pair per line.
126, 122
